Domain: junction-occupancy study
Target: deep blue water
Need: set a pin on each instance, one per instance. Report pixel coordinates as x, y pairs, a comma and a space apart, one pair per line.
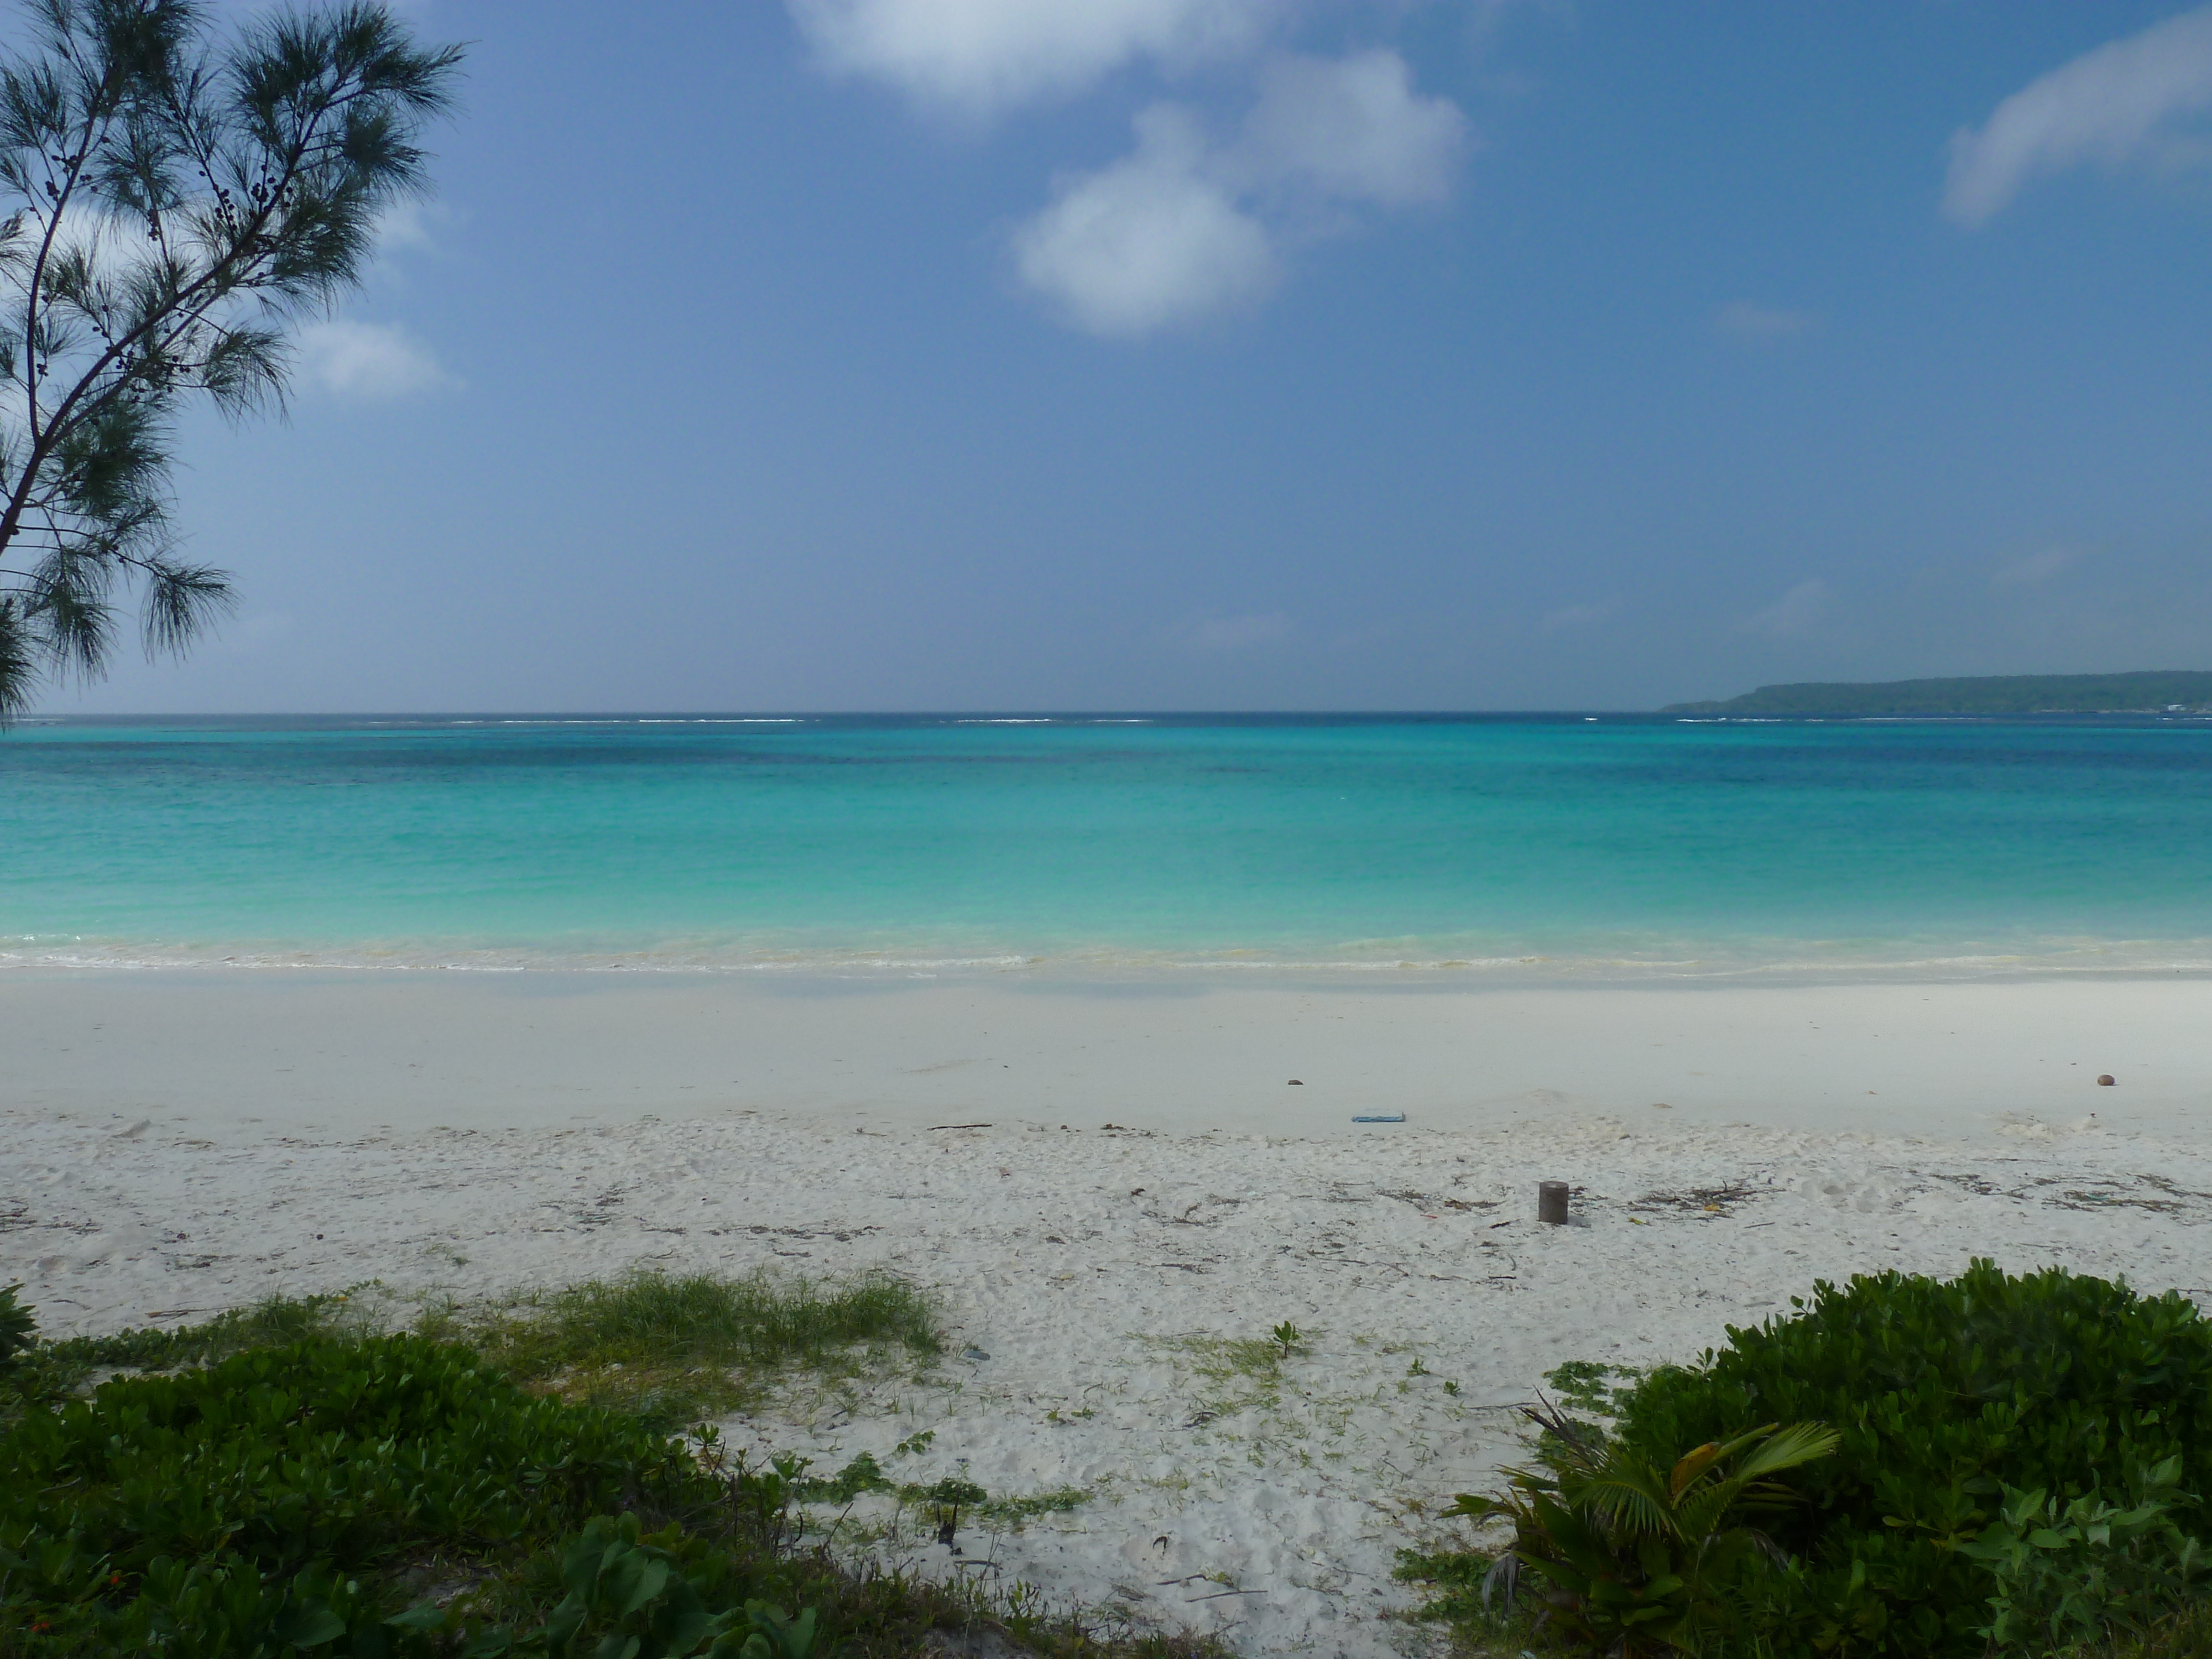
1543, 844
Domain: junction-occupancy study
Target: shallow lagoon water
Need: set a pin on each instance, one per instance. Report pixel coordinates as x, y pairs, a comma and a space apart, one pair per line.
1522, 846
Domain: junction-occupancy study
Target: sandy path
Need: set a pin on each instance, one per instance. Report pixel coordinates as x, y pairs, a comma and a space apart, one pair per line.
1096, 1271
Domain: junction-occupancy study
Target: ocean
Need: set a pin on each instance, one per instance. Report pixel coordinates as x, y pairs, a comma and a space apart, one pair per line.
1443, 849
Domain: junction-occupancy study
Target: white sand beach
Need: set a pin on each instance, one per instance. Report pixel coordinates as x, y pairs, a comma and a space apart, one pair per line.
177, 1143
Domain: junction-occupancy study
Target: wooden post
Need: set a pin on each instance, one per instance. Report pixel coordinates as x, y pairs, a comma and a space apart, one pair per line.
1551, 1203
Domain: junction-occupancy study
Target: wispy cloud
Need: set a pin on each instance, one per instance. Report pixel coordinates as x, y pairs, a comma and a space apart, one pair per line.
2119, 105
1579, 616
1351, 128
2036, 569
1741, 320
1792, 615
980, 57
370, 361
405, 226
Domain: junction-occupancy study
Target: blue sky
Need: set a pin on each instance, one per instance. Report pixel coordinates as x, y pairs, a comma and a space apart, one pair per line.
1245, 354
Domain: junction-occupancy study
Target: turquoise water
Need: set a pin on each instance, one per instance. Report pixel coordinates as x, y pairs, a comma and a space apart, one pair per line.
1532, 847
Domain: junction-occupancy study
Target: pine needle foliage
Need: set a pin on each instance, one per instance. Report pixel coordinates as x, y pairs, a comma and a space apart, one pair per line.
172, 203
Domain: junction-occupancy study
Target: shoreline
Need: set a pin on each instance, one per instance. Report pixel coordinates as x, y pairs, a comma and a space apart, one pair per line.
1416, 964
335, 1051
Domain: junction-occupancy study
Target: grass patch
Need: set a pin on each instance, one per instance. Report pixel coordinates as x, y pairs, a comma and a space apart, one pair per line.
1222, 1359
943, 1500
1010, 1512
675, 1349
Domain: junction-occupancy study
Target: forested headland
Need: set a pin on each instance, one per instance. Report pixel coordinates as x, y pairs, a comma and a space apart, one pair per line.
2156, 692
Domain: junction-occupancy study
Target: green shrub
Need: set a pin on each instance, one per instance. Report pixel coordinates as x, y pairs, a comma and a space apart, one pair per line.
2079, 1571
327, 1491
46, 1373
224, 1500
1946, 1393
1637, 1557
632, 1590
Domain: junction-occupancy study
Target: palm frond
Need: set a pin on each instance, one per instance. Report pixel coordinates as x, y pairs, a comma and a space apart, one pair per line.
1788, 1448
1629, 1498
1645, 1557
1693, 1463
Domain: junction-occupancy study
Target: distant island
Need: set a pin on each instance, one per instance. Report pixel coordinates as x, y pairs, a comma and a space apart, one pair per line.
1995, 694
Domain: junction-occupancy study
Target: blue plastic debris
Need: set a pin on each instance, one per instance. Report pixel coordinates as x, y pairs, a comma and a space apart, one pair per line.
1395, 1117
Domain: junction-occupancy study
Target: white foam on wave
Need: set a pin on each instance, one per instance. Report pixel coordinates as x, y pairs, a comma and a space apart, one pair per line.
1780, 961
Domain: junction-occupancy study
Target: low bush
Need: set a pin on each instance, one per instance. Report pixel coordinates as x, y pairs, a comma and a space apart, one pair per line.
304, 1485
2077, 1570
45, 1373
1634, 1558
246, 1495
2020, 1466
650, 1596
1946, 1393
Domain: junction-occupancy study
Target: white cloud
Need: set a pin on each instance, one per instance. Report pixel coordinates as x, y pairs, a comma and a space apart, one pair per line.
1183, 229
981, 57
1191, 224
1236, 633
1354, 128
2036, 569
1747, 321
1793, 614
1150, 242
369, 360
2116, 105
